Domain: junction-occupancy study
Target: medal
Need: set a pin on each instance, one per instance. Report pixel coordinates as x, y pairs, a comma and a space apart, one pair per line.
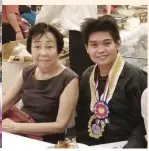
101, 110
95, 127
98, 121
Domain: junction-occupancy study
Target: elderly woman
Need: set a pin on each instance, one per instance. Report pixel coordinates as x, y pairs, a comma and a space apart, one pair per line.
48, 89
109, 106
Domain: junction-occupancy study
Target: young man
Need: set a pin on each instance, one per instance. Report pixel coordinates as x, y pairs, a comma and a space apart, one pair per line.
109, 107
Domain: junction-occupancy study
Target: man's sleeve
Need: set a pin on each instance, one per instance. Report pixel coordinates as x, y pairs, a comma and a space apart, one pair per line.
48, 13
137, 138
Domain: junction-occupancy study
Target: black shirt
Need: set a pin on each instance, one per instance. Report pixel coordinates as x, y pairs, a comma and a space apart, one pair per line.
125, 117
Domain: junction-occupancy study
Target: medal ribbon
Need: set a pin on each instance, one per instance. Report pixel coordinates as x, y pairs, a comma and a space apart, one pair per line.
104, 96
105, 93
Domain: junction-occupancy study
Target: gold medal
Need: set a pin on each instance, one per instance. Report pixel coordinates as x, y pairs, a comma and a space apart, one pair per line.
95, 127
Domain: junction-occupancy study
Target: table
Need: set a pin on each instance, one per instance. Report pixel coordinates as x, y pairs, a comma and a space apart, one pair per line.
18, 142
111, 145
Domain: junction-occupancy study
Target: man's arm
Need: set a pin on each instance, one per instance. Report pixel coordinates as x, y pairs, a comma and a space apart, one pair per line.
137, 139
48, 13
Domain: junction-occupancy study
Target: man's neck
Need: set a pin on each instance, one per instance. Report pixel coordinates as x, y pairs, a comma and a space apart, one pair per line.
104, 70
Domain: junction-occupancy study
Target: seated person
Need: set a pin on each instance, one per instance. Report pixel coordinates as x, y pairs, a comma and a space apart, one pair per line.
48, 89
109, 106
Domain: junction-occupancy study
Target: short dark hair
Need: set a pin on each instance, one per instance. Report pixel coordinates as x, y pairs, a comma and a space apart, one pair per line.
105, 23
42, 28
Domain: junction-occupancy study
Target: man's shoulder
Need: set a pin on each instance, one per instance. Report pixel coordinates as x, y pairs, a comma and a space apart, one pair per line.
133, 71
88, 71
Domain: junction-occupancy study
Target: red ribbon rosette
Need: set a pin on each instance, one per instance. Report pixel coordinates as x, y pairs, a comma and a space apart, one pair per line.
101, 110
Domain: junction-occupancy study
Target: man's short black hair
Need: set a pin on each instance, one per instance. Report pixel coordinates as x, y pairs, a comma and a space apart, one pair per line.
105, 23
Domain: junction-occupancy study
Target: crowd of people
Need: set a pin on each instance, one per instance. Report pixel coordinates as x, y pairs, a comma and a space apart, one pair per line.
102, 94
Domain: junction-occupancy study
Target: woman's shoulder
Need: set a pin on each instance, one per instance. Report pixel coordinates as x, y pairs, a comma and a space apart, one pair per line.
67, 76
28, 69
69, 73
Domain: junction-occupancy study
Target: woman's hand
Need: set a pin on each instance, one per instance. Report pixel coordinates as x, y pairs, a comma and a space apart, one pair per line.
9, 126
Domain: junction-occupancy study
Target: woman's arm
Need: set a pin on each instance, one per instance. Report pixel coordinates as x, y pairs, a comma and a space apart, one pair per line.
68, 101
13, 95
14, 23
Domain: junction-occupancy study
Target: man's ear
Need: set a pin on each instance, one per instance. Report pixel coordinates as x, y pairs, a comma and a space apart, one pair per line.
86, 48
118, 45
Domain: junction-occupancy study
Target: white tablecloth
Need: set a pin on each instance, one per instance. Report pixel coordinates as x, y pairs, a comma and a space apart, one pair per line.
111, 145
18, 142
